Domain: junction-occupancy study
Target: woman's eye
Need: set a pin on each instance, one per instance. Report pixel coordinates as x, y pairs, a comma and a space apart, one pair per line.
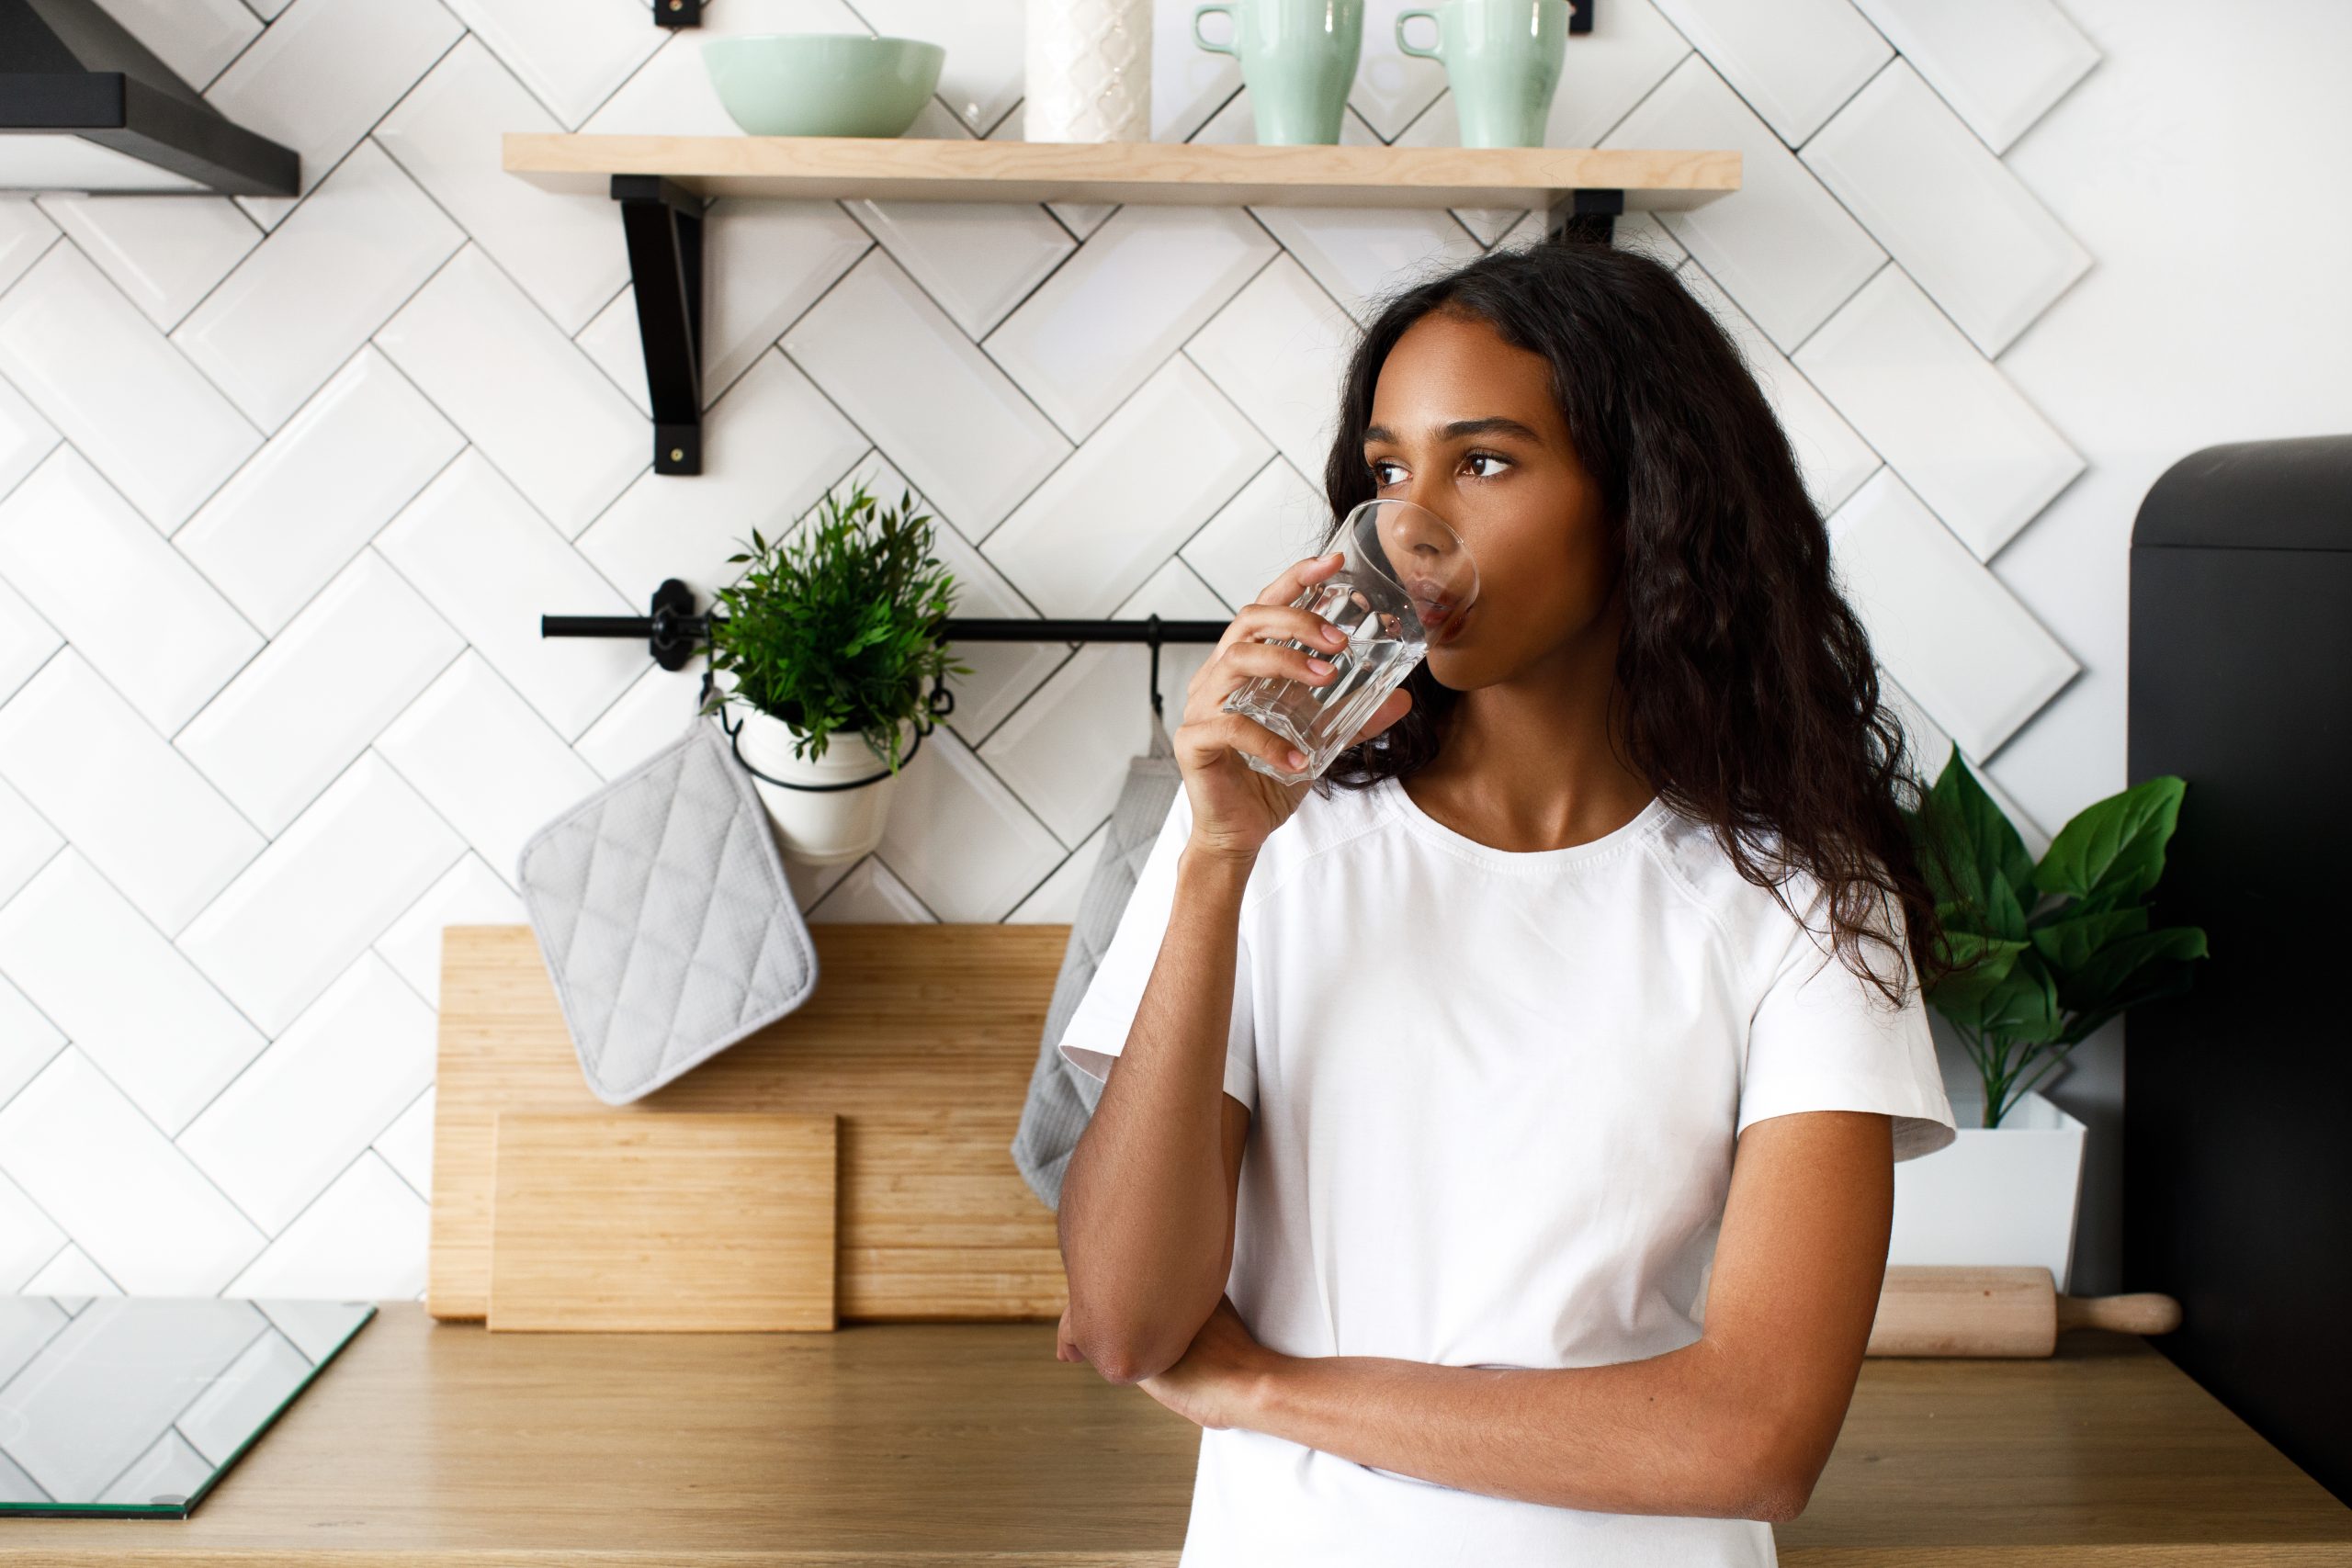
1384, 473
1478, 458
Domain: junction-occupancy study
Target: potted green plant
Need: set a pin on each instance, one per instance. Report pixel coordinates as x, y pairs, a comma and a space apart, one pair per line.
2043, 954
832, 631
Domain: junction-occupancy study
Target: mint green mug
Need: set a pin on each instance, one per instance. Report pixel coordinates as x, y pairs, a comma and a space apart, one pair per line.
1298, 59
1502, 60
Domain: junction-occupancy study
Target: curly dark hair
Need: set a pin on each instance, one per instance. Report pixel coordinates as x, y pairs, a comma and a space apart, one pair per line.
1750, 698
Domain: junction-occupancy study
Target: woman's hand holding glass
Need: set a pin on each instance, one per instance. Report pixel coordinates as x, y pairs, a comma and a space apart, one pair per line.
1235, 806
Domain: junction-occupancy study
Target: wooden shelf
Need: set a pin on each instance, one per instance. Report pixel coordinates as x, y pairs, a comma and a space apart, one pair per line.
1148, 172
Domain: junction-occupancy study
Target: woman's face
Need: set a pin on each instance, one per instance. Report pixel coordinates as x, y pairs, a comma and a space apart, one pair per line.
1464, 424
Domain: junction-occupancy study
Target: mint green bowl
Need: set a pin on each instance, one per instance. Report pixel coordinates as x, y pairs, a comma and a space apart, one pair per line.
822, 84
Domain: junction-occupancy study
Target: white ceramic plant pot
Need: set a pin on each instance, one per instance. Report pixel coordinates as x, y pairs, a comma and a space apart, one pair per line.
820, 827
2001, 1196
1087, 71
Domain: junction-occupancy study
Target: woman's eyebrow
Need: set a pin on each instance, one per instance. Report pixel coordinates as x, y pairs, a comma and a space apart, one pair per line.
1493, 425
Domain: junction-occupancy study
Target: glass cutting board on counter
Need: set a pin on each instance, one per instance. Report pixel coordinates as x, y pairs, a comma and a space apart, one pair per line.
133, 1407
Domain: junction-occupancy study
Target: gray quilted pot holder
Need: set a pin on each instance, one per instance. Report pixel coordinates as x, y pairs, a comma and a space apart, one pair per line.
662, 912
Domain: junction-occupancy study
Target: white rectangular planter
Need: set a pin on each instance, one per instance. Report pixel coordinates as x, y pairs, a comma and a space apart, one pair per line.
2004, 1196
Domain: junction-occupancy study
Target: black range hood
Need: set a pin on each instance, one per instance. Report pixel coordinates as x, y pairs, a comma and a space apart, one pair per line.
85, 106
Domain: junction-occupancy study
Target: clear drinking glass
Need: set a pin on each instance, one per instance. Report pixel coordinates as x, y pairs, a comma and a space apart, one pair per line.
1405, 576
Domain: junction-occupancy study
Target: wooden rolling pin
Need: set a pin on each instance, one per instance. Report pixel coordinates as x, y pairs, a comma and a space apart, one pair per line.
1998, 1311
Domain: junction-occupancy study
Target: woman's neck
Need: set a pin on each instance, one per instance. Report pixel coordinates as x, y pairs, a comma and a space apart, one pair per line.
1528, 764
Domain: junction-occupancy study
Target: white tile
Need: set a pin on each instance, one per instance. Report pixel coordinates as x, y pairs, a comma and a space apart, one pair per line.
25, 641
1362, 254
165, 251
24, 438
72, 1280
1188, 83
671, 93
770, 447
1277, 520
28, 1239
490, 361
332, 273
982, 78
25, 237
1114, 313
1279, 351
102, 374
950, 420
565, 250
1950, 212
977, 259
1392, 87
1642, 232
1949, 421
145, 818
1782, 246
1794, 62
28, 1040
119, 593
2000, 62
297, 513
572, 53
492, 566
1114, 513
469, 894
324, 72
960, 841
218, 1421
1079, 219
171, 1040
810, 883
870, 894
763, 263
362, 1240
1002, 672
323, 890
1833, 459
26, 844
1065, 751
1941, 624
318, 1096
118, 1187
195, 38
653, 712
1055, 901
485, 761
407, 1144
298, 714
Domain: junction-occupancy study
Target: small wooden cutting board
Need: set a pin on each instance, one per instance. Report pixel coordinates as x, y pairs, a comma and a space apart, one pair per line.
708, 1222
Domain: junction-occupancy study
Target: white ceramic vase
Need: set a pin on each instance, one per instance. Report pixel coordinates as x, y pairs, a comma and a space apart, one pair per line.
2003, 1196
820, 827
1089, 71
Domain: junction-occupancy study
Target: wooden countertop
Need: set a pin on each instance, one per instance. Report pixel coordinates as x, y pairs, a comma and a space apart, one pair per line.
890, 1445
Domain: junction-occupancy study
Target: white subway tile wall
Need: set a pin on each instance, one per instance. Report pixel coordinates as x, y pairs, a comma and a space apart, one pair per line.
284, 485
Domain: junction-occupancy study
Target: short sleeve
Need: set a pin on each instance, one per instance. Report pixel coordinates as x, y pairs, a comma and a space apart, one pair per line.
1823, 1038
1098, 1027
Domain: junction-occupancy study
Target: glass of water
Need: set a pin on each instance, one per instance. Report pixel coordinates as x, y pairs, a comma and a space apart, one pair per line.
1407, 577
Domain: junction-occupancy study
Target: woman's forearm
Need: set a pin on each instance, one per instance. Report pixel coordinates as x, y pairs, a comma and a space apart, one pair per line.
1146, 1220
1671, 1434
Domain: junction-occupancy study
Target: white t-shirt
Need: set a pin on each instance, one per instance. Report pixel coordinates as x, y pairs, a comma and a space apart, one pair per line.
1493, 1101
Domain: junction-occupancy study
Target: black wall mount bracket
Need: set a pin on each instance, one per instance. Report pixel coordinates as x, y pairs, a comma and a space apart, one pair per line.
661, 223
688, 13
1586, 215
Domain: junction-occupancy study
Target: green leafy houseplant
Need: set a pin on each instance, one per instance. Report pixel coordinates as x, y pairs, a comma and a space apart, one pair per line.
2043, 954
836, 628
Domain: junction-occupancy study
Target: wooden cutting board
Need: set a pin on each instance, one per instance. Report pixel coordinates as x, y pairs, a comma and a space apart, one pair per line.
707, 1223
921, 1038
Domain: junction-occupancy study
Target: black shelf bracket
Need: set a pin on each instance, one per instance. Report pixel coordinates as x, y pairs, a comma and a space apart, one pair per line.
1580, 16
662, 221
1586, 215
688, 13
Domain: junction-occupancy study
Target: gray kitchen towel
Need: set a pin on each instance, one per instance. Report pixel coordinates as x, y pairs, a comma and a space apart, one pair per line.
661, 910
1061, 1099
